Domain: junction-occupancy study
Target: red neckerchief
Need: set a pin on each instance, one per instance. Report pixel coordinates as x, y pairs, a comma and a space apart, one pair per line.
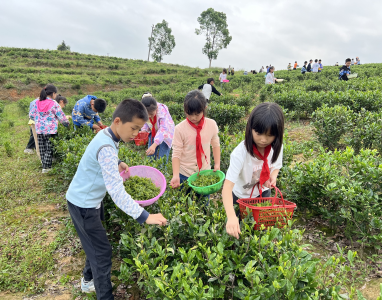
199, 148
153, 130
265, 173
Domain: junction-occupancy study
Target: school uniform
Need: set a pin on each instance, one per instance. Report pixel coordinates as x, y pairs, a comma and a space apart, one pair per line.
97, 173
244, 171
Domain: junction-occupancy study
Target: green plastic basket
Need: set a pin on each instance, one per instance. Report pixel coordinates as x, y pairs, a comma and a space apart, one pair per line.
207, 190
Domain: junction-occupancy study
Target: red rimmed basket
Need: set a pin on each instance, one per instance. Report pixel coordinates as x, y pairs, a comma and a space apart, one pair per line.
276, 215
141, 139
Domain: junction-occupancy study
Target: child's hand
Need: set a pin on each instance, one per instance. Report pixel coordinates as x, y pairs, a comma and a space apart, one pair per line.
216, 167
123, 167
175, 182
233, 227
68, 117
96, 127
272, 180
156, 219
151, 149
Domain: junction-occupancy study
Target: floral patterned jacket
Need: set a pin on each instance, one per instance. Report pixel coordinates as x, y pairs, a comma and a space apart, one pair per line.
165, 126
46, 115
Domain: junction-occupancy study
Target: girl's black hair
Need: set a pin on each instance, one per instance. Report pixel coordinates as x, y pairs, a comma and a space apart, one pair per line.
195, 103
266, 117
47, 91
209, 80
61, 98
150, 103
225, 70
271, 68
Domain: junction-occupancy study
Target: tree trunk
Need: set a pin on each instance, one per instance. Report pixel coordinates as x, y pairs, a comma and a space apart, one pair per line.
210, 63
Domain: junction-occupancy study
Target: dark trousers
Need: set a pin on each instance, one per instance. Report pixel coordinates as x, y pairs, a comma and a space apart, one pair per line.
46, 149
92, 234
31, 143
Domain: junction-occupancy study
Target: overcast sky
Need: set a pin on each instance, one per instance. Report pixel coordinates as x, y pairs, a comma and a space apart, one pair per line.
263, 32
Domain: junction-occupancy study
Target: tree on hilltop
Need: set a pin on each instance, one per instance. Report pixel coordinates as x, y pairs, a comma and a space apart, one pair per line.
63, 47
213, 24
161, 41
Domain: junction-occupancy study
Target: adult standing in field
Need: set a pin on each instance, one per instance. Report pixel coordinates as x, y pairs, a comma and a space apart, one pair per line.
261, 70
321, 66
303, 69
315, 66
229, 70
233, 71
46, 113
270, 79
336, 65
345, 70
222, 77
160, 126
358, 62
295, 65
352, 61
85, 112
309, 68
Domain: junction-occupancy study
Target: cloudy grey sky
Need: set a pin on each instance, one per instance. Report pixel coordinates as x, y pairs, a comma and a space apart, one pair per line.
264, 32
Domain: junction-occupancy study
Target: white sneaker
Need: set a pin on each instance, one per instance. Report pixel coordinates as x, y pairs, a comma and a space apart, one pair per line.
29, 151
46, 170
87, 286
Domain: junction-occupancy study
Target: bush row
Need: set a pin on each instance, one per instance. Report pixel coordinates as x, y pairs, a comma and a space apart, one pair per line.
357, 129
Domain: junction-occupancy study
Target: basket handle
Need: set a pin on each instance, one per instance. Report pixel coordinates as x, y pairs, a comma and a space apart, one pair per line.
276, 189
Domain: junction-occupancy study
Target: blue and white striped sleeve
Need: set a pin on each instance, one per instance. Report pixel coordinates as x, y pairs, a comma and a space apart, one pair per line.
108, 160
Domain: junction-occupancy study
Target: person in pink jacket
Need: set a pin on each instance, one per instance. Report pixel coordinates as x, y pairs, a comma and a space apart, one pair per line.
160, 126
46, 113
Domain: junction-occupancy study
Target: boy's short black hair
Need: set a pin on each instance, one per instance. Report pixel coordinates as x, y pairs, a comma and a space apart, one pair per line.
209, 80
319, 60
130, 108
311, 60
267, 116
316, 60
305, 62
195, 103
100, 105
348, 59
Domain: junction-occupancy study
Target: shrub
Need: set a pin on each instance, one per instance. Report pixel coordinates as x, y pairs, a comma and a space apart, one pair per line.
225, 114
344, 188
366, 132
9, 85
8, 149
331, 123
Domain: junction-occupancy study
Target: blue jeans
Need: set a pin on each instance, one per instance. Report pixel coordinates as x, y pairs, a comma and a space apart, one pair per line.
183, 179
160, 151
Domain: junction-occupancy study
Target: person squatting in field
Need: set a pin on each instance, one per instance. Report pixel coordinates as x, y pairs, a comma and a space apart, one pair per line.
85, 112
160, 126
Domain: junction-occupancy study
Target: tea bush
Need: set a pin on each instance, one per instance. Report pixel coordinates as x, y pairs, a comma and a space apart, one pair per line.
342, 187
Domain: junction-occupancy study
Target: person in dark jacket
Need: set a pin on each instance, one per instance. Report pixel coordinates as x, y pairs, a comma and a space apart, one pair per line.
345, 70
209, 88
309, 68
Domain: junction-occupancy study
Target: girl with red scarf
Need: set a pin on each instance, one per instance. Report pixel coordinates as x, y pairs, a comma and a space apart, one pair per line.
255, 162
193, 139
160, 126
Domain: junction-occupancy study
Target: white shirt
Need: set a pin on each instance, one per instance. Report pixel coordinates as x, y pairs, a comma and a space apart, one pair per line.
315, 67
207, 90
244, 171
270, 78
223, 77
